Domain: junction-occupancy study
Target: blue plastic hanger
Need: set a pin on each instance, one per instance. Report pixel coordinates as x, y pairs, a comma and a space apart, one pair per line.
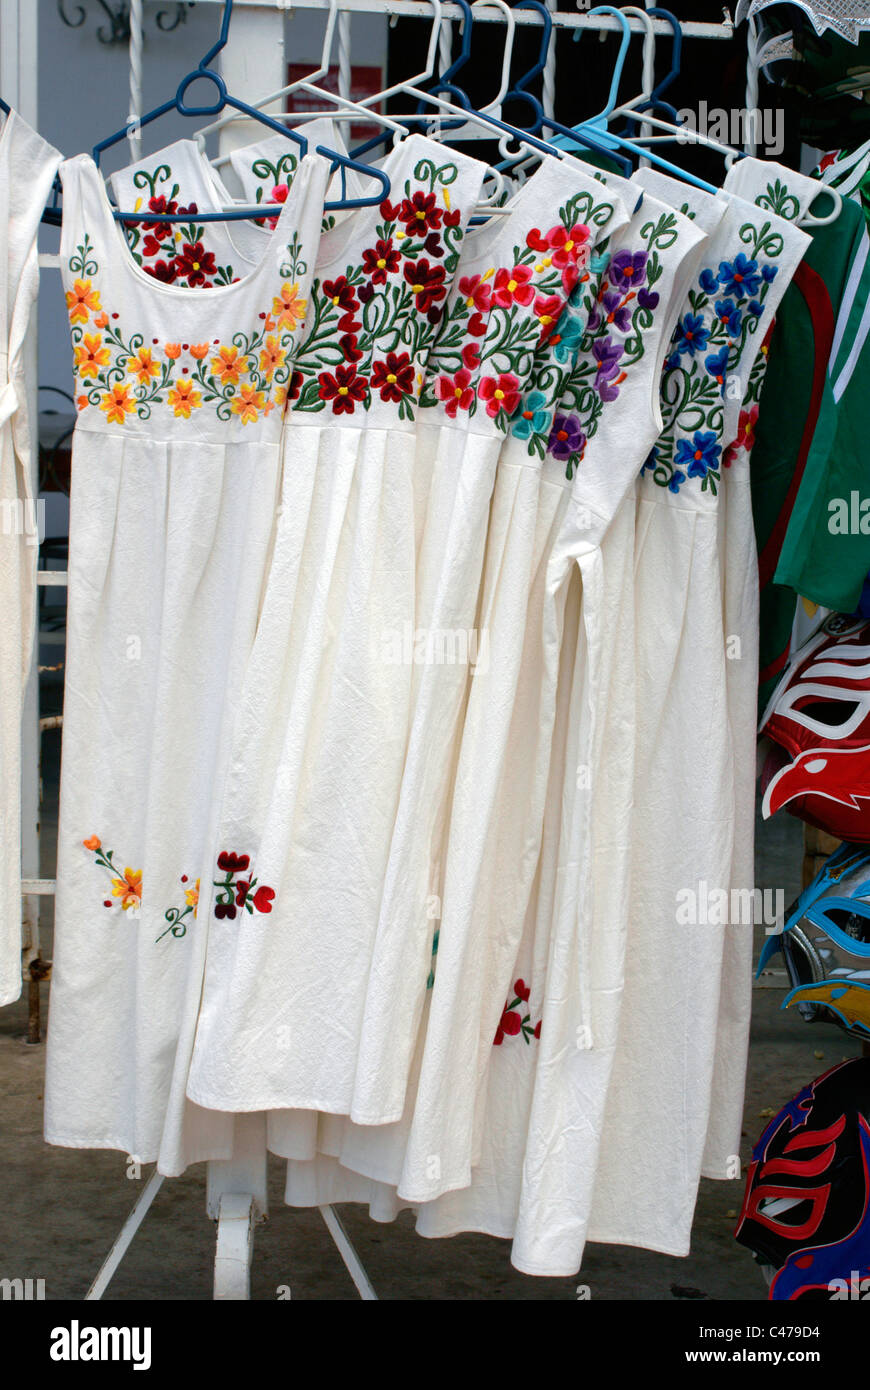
222, 100
597, 125
518, 92
445, 77
653, 101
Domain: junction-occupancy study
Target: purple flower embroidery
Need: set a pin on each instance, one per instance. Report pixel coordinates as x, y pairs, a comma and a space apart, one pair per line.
647, 299
611, 309
627, 269
607, 355
566, 437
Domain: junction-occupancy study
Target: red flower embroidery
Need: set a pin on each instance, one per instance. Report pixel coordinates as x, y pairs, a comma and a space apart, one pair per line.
159, 204
420, 212
348, 344
194, 263
562, 246
548, 308
476, 326
162, 270
341, 293
233, 863
427, 283
476, 291
471, 356
380, 261
509, 1024
511, 286
500, 393
345, 389
395, 377
513, 1021
456, 392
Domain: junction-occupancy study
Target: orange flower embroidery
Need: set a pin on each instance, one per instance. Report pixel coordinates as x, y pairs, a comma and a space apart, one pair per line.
81, 402
128, 888
227, 365
289, 308
191, 896
247, 404
183, 398
143, 366
102, 320
118, 403
199, 350
80, 300
93, 842
272, 357
172, 350
90, 355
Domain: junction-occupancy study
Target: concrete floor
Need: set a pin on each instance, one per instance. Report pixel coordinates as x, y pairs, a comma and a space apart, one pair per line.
60, 1209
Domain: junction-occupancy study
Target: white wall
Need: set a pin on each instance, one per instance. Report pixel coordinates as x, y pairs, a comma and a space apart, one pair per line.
84, 96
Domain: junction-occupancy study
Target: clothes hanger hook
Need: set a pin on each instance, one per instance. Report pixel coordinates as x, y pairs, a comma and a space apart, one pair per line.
510, 31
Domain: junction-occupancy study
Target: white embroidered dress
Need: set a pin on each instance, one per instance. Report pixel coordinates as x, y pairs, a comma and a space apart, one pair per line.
176, 476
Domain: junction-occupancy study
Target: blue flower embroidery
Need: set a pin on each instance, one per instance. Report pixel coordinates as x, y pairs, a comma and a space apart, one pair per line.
717, 366
534, 417
709, 281
565, 342
729, 314
770, 272
739, 277
700, 454
692, 335
678, 477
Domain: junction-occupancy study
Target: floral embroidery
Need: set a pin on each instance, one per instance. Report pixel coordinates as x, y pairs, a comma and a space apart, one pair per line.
126, 378
126, 884
513, 1021
177, 917
725, 307
370, 329
235, 892
501, 329
173, 252
602, 334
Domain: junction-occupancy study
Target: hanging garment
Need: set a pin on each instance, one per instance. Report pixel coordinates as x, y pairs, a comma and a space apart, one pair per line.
176, 476
684, 823
27, 168
485, 351
533, 1181
779, 189
180, 179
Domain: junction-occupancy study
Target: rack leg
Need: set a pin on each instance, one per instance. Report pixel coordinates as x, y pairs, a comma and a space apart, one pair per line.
236, 1199
346, 1250
125, 1236
235, 1247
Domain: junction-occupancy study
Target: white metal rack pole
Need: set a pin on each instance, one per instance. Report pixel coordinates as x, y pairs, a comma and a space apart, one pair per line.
563, 19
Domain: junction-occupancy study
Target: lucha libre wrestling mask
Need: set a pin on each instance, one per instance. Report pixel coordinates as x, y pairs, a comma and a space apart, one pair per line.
806, 1212
818, 720
826, 944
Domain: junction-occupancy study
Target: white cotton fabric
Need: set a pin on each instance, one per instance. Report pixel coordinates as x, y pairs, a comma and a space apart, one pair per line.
523, 1165
172, 517
377, 945
27, 167
666, 1076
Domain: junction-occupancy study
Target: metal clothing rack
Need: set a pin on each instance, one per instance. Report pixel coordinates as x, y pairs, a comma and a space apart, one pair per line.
236, 1187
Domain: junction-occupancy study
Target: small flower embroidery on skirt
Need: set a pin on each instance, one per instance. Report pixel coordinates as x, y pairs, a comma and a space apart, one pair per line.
513, 1021
127, 890
234, 892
